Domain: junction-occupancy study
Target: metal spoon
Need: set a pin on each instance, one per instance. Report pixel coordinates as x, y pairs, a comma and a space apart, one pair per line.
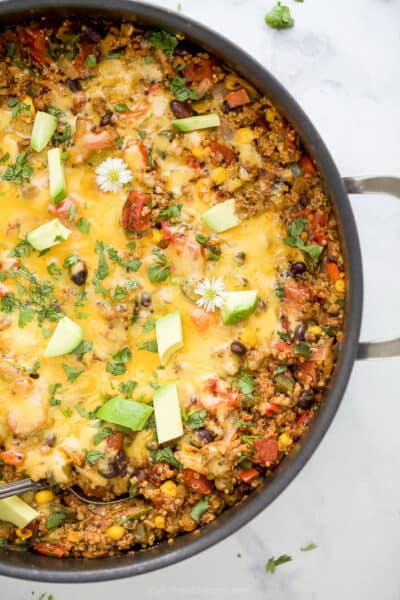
27, 485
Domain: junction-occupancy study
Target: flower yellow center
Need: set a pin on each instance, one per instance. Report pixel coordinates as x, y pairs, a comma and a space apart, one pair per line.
113, 176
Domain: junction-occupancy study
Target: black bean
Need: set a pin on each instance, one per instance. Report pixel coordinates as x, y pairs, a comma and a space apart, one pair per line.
116, 467
107, 118
306, 400
78, 273
185, 47
205, 435
244, 488
34, 375
181, 109
50, 439
297, 268
300, 331
238, 348
240, 257
74, 85
145, 299
226, 108
92, 35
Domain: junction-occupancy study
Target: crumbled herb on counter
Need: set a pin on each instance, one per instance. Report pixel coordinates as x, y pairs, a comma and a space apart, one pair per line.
279, 17
272, 563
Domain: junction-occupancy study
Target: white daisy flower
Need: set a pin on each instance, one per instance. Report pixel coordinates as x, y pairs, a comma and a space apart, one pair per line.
112, 174
212, 294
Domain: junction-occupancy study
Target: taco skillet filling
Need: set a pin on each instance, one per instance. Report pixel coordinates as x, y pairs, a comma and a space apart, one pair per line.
171, 291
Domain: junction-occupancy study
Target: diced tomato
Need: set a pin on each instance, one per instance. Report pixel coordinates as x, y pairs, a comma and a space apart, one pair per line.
320, 237
3, 290
222, 153
233, 399
203, 68
62, 210
50, 549
143, 152
36, 40
192, 162
307, 373
297, 293
9, 263
304, 418
333, 271
213, 386
197, 482
271, 409
238, 98
266, 451
132, 212
13, 457
202, 319
282, 347
248, 475
320, 219
115, 441
306, 165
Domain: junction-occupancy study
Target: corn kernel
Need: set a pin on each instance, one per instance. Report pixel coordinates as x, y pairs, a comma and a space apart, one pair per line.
198, 152
233, 184
284, 441
115, 532
339, 285
168, 488
156, 235
245, 135
44, 497
159, 522
315, 330
219, 175
73, 536
249, 338
24, 534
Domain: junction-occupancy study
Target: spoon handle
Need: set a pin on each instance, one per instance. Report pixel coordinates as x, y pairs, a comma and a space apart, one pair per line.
19, 487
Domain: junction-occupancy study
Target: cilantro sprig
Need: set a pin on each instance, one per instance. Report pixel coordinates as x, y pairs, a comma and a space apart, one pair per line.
295, 229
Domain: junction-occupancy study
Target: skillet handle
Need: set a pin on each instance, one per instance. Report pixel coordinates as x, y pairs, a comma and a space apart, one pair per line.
375, 185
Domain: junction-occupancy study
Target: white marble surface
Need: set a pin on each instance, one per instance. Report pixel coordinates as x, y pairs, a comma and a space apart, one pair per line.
341, 63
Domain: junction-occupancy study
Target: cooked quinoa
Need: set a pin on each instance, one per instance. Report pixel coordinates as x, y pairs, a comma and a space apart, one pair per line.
97, 389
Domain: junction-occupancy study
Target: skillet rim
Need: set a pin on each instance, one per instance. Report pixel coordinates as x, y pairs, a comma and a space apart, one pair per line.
24, 565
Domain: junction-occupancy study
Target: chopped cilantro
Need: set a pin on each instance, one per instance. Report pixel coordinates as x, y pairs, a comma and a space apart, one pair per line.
70, 260
280, 369
18, 107
54, 270
149, 325
9, 303
246, 384
53, 389
294, 240
117, 366
132, 265
178, 87
159, 270
199, 509
279, 17
272, 563
91, 61
101, 435
21, 171
196, 419
127, 387
26, 314
92, 456
71, 372
10, 49
162, 40
166, 455
149, 346
83, 225
309, 547
170, 212
55, 519
121, 108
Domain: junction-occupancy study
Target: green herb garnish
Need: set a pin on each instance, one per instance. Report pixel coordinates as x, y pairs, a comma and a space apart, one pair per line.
272, 563
279, 17
159, 270
199, 509
71, 372
162, 40
21, 171
294, 240
117, 366
166, 455
178, 87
